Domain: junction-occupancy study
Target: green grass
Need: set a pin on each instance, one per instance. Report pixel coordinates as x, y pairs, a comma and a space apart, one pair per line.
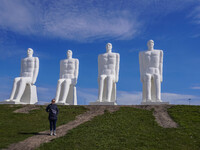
16, 127
131, 128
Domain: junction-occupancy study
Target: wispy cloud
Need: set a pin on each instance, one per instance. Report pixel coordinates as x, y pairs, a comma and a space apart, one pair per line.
74, 20
87, 95
46, 93
195, 87
5, 88
195, 13
174, 98
134, 98
129, 98
84, 20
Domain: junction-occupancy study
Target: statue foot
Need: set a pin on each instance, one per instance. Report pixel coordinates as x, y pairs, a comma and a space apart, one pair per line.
148, 100
15, 100
107, 101
158, 100
99, 100
61, 102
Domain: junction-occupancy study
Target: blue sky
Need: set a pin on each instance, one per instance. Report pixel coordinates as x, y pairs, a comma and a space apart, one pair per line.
52, 27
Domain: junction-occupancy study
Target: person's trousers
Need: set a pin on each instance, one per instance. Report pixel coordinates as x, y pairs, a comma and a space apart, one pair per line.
52, 124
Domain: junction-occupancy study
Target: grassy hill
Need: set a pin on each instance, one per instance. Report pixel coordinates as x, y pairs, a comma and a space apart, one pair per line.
127, 128
15, 127
131, 128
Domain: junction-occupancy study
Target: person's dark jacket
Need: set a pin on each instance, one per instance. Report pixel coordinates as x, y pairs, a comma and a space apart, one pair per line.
53, 111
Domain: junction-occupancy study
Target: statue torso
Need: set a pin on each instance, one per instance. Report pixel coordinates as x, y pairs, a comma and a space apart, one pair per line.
108, 63
68, 68
151, 61
27, 67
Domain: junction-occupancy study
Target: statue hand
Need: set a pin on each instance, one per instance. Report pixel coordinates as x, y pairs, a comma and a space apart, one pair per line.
141, 79
74, 81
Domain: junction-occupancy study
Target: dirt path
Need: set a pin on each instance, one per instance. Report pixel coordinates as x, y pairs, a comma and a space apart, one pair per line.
27, 108
35, 141
160, 113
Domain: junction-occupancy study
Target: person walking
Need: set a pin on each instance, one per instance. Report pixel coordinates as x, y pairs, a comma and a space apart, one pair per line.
52, 109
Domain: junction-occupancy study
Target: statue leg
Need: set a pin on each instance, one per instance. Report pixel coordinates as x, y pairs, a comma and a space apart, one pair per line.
101, 85
16, 80
157, 87
60, 81
109, 88
148, 87
66, 86
22, 86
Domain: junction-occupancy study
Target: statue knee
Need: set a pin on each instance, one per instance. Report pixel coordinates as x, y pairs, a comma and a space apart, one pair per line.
67, 82
59, 81
17, 79
147, 77
110, 78
157, 77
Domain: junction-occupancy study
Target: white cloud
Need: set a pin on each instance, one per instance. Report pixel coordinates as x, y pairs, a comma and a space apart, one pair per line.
72, 20
195, 14
87, 95
129, 98
195, 87
174, 98
84, 20
134, 98
46, 93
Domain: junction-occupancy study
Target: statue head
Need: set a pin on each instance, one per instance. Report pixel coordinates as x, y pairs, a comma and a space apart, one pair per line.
150, 44
109, 47
30, 52
69, 54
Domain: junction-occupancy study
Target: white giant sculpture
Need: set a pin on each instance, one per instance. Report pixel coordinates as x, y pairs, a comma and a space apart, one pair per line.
66, 90
24, 91
151, 74
108, 75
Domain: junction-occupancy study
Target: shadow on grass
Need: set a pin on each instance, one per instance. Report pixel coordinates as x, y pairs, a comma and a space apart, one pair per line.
33, 133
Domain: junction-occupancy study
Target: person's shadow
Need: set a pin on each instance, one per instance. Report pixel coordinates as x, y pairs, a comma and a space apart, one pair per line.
33, 133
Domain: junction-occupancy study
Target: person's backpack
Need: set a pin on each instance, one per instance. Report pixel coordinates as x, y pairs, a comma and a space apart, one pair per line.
53, 111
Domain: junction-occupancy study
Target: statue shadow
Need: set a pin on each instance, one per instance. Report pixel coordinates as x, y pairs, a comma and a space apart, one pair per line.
33, 133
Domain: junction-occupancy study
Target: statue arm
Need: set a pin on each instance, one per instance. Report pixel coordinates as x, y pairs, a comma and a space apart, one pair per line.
117, 68
76, 71
21, 68
99, 66
161, 66
61, 69
36, 70
141, 66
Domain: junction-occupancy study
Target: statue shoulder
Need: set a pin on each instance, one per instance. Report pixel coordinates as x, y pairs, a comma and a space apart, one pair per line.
63, 60
101, 55
36, 58
117, 54
76, 59
142, 52
159, 50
